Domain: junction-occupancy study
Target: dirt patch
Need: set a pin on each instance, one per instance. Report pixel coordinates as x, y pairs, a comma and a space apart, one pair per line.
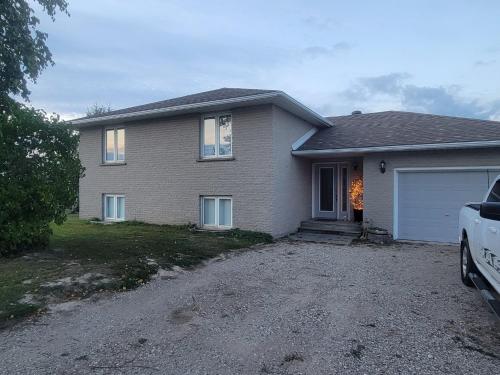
293, 357
185, 314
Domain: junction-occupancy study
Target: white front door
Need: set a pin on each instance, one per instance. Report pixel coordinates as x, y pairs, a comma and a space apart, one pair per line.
327, 198
331, 191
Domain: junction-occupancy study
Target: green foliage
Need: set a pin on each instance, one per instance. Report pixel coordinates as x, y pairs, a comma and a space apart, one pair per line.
137, 273
98, 110
23, 52
39, 172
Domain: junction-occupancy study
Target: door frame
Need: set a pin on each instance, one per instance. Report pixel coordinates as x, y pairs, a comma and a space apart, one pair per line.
397, 171
337, 165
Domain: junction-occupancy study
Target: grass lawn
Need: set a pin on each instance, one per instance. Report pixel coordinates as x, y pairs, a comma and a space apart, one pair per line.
85, 258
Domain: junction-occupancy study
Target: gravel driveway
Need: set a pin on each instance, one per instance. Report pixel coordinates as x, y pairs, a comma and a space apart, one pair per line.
286, 308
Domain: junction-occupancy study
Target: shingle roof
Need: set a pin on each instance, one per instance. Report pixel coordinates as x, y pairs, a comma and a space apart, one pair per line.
394, 128
202, 97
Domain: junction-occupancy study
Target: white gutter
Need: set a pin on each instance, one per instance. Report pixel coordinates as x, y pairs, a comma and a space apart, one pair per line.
189, 107
299, 142
307, 109
425, 146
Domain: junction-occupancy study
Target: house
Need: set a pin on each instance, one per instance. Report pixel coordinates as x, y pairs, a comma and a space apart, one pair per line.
261, 160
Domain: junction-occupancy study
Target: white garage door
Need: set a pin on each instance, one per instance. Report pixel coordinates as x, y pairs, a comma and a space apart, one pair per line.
429, 201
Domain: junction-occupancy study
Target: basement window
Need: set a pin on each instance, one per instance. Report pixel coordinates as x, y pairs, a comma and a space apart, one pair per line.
217, 212
114, 207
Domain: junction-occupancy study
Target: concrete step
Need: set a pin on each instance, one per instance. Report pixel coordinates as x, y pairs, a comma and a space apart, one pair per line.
329, 231
334, 239
340, 224
333, 227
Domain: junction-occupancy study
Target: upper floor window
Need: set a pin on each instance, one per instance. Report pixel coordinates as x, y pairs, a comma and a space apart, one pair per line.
114, 145
216, 136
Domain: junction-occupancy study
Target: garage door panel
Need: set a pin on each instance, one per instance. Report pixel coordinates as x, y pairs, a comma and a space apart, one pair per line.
434, 215
429, 202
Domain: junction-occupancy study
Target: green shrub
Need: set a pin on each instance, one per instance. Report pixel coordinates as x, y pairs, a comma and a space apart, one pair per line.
39, 172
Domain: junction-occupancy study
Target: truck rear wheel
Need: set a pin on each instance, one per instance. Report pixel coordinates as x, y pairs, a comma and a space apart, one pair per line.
466, 263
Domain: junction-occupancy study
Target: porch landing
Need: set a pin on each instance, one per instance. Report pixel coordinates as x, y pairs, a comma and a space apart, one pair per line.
331, 227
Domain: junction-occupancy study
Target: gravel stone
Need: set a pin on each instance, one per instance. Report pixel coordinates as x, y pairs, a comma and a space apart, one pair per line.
291, 307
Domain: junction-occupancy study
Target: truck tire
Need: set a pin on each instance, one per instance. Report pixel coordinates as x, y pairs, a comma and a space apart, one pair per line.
466, 263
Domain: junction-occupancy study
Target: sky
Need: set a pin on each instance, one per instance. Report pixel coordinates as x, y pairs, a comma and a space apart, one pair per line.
440, 56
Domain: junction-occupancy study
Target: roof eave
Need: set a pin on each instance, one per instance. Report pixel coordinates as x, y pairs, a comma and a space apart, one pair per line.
278, 97
418, 147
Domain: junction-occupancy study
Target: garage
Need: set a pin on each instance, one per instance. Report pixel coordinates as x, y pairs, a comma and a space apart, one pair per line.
429, 201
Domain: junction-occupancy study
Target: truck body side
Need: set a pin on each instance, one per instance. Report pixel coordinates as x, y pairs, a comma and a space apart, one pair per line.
482, 233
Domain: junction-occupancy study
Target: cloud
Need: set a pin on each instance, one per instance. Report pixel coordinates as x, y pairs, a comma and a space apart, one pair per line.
481, 63
446, 100
441, 100
103, 58
495, 117
319, 51
366, 87
319, 23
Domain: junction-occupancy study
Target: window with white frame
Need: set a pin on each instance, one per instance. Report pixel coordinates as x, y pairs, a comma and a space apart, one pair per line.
114, 145
114, 207
216, 136
217, 212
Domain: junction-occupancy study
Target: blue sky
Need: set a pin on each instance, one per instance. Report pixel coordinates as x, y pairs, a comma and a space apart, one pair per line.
334, 56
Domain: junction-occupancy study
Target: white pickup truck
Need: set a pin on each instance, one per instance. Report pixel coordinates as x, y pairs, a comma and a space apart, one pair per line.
480, 244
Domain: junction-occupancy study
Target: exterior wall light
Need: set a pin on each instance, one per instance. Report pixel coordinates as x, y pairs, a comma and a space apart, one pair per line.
382, 166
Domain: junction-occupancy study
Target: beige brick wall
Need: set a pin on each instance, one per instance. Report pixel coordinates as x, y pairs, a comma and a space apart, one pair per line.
291, 176
163, 181
379, 188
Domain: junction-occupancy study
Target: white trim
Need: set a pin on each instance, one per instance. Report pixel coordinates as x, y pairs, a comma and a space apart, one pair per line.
322, 121
431, 169
315, 188
426, 146
217, 199
115, 207
216, 116
347, 166
397, 171
395, 206
299, 142
115, 145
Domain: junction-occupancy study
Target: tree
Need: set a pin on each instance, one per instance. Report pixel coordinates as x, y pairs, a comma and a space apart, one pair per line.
23, 52
98, 110
39, 173
39, 164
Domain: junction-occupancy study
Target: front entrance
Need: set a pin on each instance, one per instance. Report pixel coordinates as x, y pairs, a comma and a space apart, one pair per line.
331, 184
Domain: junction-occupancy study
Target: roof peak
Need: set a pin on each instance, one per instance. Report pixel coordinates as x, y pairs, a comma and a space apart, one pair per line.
213, 100
199, 97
